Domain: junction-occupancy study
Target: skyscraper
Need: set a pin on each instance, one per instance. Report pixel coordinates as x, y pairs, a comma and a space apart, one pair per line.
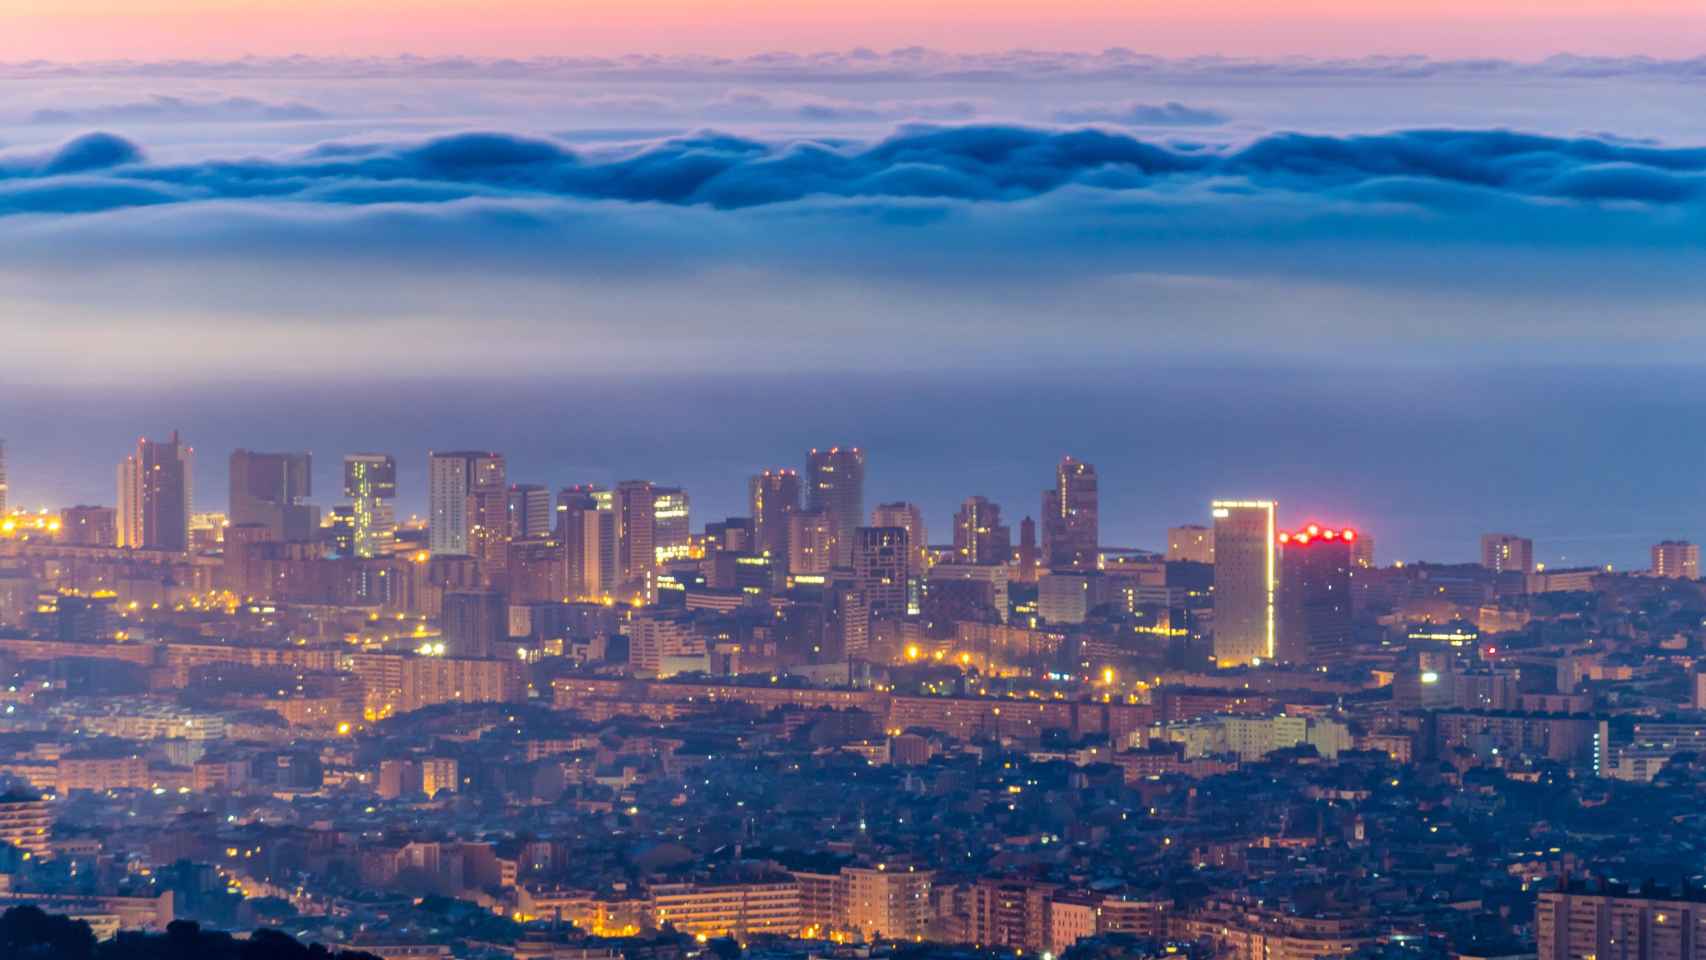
908, 517
155, 487
672, 524
586, 528
1071, 529
4, 489
271, 490
636, 550
979, 535
880, 558
370, 481
774, 496
452, 479
811, 542
1507, 553
835, 486
1029, 554
1245, 570
1314, 602
529, 511
1191, 543
1676, 559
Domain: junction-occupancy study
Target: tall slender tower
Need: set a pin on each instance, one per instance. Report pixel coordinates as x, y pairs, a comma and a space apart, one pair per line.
979, 535
774, 496
155, 489
4, 490
835, 486
636, 537
370, 481
453, 480
1245, 579
1071, 524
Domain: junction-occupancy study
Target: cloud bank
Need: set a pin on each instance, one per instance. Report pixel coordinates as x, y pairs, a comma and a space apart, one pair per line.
1436, 169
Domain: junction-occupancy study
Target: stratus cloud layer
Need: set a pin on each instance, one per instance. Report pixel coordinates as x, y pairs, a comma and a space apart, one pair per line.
1438, 168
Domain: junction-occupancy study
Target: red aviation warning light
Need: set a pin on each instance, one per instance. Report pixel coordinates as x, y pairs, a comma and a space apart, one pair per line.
1314, 532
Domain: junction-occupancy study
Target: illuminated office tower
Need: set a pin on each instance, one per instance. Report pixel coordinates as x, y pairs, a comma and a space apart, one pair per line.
908, 517
1676, 559
1190, 543
672, 524
1245, 570
1507, 553
529, 511
774, 496
811, 542
880, 562
155, 490
636, 552
1314, 600
835, 486
1070, 526
452, 480
586, 527
370, 481
979, 535
271, 490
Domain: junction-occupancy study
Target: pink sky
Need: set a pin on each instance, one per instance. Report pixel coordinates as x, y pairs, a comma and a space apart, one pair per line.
93, 29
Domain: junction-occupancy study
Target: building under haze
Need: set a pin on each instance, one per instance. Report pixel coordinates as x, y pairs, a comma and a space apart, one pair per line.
1245, 571
773, 497
1507, 553
835, 487
370, 482
5, 490
1676, 559
529, 511
636, 538
672, 524
155, 489
586, 531
1314, 600
908, 517
453, 480
1191, 543
979, 534
1071, 528
271, 490
89, 526
811, 542
880, 564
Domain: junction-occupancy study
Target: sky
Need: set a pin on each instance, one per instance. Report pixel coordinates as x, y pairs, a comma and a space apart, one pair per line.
1216, 217
98, 29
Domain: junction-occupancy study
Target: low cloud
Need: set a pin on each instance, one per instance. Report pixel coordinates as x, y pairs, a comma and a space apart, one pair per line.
169, 109
1169, 114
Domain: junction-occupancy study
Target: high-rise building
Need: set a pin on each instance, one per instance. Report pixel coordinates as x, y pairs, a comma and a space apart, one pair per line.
835, 486
1617, 923
1507, 553
370, 481
1676, 559
586, 528
86, 526
155, 490
1245, 575
1029, 556
529, 511
272, 490
774, 496
5, 490
636, 550
979, 534
880, 562
908, 517
672, 524
452, 480
475, 621
811, 542
1071, 529
1190, 543
1314, 603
